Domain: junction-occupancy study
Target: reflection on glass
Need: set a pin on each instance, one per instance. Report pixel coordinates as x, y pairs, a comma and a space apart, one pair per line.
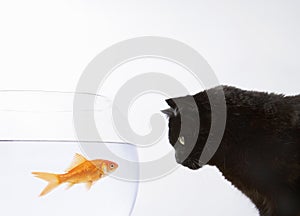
36, 134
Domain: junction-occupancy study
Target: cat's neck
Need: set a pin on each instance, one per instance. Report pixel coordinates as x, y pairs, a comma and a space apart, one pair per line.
226, 164
234, 169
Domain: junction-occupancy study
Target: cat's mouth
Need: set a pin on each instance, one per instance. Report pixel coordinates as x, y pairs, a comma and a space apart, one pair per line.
192, 164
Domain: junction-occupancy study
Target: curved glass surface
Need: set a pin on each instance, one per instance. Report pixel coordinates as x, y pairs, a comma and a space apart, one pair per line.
36, 134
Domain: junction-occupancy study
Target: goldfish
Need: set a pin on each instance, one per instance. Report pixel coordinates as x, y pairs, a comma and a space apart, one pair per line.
81, 170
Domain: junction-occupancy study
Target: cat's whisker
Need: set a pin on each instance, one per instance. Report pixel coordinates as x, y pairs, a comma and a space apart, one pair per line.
195, 162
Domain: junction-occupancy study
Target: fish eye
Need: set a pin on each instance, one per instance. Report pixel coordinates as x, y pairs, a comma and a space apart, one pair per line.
112, 166
181, 140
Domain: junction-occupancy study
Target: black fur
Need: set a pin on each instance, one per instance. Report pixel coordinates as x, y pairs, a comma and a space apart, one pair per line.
259, 151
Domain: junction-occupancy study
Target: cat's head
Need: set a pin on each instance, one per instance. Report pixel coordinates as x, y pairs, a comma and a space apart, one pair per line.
189, 124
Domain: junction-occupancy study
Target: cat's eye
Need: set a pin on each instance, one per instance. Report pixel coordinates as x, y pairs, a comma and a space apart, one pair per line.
181, 140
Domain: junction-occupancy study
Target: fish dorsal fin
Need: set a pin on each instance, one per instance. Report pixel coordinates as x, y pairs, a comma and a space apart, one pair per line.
78, 159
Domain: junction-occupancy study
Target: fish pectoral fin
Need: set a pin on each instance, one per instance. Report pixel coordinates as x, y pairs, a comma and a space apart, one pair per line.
69, 185
78, 159
89, 185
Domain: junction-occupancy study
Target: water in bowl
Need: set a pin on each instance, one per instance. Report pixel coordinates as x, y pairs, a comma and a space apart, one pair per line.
36, 134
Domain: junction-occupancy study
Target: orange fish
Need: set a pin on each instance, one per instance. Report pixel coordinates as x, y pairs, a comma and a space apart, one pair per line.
80, 171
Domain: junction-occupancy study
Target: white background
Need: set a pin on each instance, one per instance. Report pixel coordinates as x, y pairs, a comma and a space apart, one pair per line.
46, 45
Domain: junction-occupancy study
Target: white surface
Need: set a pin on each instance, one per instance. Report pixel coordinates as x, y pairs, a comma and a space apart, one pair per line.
46, 45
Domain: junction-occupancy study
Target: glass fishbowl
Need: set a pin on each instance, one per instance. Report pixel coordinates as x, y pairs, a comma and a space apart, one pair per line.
37, 134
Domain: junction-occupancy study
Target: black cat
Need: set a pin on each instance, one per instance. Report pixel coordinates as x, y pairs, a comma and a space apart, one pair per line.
259, 151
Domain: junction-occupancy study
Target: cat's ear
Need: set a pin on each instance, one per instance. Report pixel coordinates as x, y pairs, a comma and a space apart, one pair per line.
181, 103
169, 112
171, 103
173, 110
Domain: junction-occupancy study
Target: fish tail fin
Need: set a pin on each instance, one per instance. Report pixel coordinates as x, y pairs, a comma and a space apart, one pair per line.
52, 179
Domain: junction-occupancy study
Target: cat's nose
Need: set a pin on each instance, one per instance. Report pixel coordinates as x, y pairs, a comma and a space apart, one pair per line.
182, 161
178, 160
179, 157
